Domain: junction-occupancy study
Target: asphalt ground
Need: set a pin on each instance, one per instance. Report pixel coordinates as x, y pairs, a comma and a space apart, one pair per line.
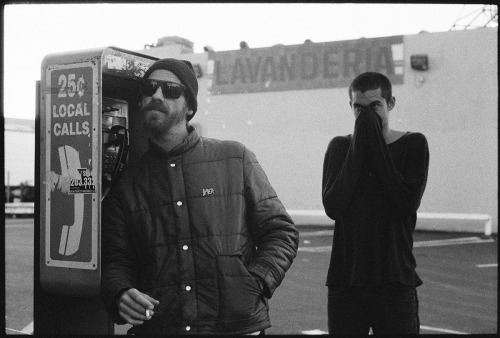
459, 294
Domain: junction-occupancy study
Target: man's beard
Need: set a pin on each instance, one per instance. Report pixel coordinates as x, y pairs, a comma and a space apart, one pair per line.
158, 126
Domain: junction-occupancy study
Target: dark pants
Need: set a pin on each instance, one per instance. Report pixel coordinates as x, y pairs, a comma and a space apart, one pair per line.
387, 310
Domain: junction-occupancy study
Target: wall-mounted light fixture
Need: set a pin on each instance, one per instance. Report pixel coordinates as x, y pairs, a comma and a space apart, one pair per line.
419, 62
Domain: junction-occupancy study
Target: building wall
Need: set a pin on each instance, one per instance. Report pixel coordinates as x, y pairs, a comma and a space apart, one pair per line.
19, 152
454, 103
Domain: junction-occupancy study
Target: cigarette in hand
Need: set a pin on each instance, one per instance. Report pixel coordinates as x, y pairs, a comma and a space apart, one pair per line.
147, 313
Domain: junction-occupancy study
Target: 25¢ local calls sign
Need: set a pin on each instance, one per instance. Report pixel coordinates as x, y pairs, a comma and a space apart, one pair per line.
71, 165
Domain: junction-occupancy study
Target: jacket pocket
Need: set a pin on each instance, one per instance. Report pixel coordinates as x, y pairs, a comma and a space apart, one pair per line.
240, 293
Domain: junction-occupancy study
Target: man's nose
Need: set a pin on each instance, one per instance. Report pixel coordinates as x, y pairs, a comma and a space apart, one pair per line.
367, 109
158, 95
362, 110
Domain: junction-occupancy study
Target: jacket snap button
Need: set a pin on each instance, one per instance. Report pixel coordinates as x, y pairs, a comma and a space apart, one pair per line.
172, 165
179, 203
185, 247
188, 328
188, 288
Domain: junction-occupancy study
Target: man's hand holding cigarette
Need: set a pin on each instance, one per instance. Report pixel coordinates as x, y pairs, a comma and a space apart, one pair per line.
136, 307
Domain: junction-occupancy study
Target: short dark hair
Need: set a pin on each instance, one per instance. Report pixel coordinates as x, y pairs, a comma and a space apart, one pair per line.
371, 81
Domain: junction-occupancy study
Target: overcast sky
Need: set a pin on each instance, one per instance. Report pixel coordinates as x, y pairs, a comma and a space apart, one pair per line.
33, 31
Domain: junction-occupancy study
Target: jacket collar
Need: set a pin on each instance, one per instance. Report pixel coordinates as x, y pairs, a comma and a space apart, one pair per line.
189, 142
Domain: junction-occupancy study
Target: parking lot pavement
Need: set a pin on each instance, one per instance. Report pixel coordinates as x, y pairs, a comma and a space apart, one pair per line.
459, 294
459, 270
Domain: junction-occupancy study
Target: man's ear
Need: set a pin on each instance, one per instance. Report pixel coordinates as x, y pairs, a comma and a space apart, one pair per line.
350, 103
392, 103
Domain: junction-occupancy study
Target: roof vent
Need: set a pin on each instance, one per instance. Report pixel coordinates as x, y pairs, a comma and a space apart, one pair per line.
183, 45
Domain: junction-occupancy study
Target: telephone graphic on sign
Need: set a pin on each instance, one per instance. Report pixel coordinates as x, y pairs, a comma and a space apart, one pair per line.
71, 234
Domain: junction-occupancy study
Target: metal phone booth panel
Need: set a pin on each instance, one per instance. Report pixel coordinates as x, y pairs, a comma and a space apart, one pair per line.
89, 123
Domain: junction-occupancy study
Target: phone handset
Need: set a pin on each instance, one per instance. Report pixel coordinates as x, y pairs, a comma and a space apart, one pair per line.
71, 234
117, 151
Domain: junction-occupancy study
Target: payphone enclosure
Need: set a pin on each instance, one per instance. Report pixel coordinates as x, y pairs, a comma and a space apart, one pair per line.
90, 127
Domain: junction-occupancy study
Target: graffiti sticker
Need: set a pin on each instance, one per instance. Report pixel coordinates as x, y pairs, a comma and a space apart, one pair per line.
82, 184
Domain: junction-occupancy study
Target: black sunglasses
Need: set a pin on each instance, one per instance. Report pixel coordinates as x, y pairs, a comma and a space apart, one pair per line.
170, 90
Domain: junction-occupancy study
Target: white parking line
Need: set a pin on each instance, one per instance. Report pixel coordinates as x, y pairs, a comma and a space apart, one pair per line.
314, 332
28, 329
437, 329
452, 241
422, 327
494, 265
421, 244
317, 233
16, 331
316, 248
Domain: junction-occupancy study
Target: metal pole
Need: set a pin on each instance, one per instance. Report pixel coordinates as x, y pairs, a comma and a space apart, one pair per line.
8, 186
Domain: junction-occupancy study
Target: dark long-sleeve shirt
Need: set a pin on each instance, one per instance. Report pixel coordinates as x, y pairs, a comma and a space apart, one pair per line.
373, 190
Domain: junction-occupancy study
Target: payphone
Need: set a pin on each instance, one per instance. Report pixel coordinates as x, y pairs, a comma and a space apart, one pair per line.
115, 142
89, 127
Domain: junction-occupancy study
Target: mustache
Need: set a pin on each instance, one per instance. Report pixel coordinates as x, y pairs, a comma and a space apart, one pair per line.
155, 105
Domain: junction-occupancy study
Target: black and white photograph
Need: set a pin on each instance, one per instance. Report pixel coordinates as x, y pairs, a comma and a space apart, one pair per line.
250, 168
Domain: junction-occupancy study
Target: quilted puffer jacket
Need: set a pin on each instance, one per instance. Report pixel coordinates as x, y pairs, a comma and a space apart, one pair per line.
195, 228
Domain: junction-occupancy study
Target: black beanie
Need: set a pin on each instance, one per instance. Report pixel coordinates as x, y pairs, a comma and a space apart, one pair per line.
185, 72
